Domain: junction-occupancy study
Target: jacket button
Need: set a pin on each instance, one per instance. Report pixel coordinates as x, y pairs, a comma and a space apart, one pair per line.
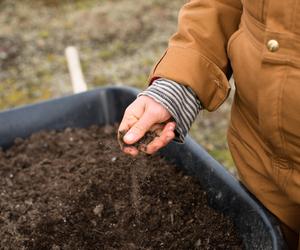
272, 45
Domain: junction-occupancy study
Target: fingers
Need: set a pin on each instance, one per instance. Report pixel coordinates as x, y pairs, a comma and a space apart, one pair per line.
138, 130
132, 114
142, 115
166, 136
131, 151
127, 122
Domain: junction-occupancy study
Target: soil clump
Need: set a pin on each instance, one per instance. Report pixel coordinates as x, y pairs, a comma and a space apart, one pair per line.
141, 145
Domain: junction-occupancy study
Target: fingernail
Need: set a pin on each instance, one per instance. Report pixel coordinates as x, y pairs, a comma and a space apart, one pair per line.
129, 137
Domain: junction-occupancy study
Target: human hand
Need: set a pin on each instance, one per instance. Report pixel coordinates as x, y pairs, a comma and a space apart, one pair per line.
143, 115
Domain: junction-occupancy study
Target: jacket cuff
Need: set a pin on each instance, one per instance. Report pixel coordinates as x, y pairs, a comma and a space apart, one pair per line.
190, 68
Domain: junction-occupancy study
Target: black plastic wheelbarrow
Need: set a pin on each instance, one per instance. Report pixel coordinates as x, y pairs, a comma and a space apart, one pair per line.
255, 225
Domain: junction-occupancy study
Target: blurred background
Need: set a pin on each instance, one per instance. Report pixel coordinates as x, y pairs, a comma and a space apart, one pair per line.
118, 41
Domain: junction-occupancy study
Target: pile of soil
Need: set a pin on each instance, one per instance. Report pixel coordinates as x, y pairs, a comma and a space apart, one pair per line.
75, 189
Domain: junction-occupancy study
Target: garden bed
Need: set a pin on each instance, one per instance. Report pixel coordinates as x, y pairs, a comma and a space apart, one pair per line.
75, 189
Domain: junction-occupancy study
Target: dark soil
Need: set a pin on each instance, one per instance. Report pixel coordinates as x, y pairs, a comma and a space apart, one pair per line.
76, 190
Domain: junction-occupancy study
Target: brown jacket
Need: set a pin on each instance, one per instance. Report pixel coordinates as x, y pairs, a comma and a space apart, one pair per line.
260, 41
198, 53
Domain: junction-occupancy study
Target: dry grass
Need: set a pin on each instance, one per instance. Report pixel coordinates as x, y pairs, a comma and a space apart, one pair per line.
119, 41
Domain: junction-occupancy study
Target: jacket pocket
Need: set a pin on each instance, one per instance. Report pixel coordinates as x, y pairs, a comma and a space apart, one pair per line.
231, 40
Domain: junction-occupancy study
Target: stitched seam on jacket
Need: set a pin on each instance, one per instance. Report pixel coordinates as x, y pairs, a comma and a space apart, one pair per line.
293, 17
232, 39
287, 177
258, 45
159, 61
280, 110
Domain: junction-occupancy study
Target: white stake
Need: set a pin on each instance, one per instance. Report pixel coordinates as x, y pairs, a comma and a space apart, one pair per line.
77, 78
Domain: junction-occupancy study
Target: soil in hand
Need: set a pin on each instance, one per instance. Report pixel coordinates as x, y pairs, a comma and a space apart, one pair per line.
75, 189
141, 145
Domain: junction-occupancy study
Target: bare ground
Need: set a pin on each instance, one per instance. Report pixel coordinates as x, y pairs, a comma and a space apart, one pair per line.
119, 41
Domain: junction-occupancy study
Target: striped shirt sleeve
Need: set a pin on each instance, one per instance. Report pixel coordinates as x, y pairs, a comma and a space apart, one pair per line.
179, 100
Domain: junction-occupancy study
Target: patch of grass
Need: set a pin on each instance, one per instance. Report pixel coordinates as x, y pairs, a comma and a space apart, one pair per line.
140, 81
117, 48
15, 95
80, 4
223, 156
100, 80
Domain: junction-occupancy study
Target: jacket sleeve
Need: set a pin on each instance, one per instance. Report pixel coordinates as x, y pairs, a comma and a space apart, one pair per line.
196, 56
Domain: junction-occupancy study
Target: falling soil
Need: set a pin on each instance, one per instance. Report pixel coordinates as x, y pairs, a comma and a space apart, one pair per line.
75, 189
